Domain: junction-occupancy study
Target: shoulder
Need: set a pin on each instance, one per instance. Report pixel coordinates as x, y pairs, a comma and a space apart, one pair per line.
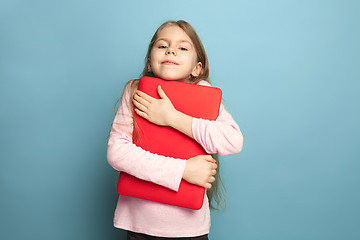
204, 83
134, 83
131, 86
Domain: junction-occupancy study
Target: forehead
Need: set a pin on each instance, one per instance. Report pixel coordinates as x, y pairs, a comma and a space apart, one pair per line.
174, 33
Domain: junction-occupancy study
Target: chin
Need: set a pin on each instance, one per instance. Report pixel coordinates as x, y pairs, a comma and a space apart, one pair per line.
170, 78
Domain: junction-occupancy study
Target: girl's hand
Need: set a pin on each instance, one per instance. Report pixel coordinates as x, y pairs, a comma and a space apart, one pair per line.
158, 111
200, 170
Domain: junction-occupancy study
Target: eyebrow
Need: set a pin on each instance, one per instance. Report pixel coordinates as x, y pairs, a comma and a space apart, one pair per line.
167, 40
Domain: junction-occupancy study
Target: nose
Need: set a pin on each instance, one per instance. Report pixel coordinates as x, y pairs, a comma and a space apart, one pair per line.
170, 51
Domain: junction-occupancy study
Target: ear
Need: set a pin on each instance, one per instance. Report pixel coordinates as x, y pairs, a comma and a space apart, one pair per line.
197, 69
148, 65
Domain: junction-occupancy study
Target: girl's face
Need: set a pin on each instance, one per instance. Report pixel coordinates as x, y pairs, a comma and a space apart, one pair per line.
173, 56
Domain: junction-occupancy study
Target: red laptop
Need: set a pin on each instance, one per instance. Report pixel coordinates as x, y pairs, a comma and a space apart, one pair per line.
194, 100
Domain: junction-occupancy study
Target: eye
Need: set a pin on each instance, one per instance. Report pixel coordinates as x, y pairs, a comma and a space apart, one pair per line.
183, 49
162, 46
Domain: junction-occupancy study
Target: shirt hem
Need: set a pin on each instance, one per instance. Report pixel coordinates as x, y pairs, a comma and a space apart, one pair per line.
162, 233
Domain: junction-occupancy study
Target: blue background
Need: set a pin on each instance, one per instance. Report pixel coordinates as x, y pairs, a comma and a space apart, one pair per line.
289, 71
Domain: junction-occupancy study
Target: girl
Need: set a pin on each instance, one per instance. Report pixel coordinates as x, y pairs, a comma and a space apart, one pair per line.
175, 53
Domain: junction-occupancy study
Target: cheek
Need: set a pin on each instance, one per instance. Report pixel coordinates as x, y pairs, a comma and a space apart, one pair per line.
194, 58
154, 58
194, 62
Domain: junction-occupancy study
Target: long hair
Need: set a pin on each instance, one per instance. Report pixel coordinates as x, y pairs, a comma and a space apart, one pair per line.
216, 194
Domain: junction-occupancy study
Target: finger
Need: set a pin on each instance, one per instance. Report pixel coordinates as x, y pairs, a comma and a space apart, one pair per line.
207, 185
139, 106
211, 179
213, 172
141, 100
140, 113
161, 93
145, 96
209, 158
214, 166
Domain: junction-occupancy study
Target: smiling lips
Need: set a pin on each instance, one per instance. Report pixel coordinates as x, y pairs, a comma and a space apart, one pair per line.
169, 62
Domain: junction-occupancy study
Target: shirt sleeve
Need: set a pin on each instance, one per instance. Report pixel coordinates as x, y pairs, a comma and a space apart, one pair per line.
222, 136
125, 156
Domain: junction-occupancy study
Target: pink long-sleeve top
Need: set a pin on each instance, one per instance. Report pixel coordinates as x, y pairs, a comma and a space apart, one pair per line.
221, 136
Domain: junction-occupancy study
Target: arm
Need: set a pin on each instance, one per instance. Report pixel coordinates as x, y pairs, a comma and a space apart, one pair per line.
221, 136
125, 156
198, 170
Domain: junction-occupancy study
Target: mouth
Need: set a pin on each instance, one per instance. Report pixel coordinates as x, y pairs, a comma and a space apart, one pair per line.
169, 62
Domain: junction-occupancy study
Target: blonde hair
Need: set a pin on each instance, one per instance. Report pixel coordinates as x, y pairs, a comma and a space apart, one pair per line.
216, 193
